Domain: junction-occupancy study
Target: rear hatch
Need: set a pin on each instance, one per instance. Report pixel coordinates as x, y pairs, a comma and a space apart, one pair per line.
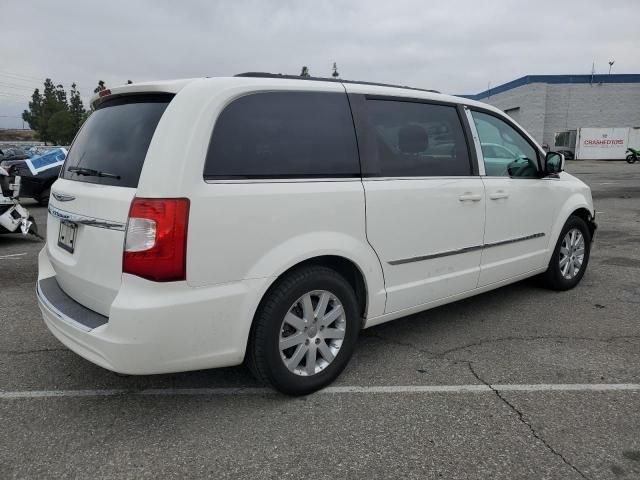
90, 201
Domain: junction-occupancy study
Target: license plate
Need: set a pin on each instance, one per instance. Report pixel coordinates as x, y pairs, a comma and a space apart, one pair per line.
67, 236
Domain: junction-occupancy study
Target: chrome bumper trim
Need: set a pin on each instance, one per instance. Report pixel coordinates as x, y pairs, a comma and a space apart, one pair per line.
85, 220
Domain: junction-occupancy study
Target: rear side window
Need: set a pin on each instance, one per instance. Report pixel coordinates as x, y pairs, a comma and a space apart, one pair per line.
417, 139
114, 141
284, 135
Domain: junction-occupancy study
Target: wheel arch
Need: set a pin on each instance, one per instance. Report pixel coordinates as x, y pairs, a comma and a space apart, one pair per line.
585, 215
577, 205
345, 266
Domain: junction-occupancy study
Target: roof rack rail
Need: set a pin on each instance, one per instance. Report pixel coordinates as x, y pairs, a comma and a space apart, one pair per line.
323, 79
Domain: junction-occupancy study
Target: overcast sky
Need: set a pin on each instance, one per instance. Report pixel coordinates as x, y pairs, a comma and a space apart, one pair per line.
452, 46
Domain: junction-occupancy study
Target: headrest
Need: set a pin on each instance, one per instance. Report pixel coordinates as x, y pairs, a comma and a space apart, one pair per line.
413, 139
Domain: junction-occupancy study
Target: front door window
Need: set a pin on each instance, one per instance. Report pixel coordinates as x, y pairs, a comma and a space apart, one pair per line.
506, 152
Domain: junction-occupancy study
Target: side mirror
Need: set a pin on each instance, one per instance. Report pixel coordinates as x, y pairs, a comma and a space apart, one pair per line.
554, 163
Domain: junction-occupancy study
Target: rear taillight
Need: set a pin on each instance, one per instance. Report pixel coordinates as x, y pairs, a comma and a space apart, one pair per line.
156, 239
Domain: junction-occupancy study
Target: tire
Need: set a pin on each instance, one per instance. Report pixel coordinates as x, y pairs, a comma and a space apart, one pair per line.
43, 198
264, 356
554, 277
631, 158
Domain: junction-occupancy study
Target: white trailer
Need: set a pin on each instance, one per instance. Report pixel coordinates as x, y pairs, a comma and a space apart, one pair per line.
606, 143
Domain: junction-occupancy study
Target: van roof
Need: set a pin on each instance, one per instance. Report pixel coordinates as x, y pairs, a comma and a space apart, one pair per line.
326, 79
174, 86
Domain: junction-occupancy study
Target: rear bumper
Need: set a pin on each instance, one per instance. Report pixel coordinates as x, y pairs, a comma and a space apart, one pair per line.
157, 328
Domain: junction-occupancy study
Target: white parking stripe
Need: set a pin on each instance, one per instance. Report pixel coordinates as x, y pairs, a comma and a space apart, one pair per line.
11, 256
570, 387
385, 389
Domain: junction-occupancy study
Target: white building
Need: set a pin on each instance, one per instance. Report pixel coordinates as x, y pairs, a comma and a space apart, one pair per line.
553, 108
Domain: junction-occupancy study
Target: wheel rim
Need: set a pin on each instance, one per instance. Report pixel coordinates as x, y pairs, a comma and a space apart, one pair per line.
312, 332
571, 253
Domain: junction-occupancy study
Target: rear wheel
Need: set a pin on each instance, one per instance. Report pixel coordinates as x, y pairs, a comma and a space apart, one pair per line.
570, 257
305, 331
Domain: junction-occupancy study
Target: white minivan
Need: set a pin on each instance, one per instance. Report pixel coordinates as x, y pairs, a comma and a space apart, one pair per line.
268, 219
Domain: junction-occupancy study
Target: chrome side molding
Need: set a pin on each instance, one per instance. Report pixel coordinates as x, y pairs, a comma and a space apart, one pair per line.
464, 250
436, 255
85, 220
513, 240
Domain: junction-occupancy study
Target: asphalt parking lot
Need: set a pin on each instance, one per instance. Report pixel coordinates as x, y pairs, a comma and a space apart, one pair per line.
520, 382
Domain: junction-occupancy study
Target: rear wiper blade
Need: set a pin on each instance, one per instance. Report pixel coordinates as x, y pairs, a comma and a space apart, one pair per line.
90, 172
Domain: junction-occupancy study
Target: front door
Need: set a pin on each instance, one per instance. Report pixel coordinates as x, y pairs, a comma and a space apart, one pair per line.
519, 203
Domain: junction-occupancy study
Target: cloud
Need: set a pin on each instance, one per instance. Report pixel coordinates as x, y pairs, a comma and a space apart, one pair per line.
453, 46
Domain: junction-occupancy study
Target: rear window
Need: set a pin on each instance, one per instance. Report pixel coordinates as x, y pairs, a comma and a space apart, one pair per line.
284, 135
114, 140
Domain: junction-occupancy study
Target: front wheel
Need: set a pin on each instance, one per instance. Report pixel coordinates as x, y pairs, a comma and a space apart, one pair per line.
631, 158
305, 331
570, 256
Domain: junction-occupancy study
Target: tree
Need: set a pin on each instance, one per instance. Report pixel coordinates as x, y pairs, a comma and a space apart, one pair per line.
53, 115
76, 108
60, 128
305, 72
61, 96
101, 86
50, 104
34, 114
335, 73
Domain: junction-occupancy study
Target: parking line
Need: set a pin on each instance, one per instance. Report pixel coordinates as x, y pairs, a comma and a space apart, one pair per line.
384, 389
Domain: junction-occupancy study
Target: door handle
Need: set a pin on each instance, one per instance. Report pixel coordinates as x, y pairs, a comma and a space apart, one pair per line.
498, 195
470, 197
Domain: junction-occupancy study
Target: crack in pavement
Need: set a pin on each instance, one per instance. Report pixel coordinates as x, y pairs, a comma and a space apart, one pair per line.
442, 355
538, 337
511, 406
524, 421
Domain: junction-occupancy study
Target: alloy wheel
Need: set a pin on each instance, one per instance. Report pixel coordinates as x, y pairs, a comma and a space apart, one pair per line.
571, 253
312, 332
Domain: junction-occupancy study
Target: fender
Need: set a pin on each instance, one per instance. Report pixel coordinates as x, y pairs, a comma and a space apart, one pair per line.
304, 247
576, 201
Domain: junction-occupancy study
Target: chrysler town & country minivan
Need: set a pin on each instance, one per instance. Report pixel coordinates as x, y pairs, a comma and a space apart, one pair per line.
267, 219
